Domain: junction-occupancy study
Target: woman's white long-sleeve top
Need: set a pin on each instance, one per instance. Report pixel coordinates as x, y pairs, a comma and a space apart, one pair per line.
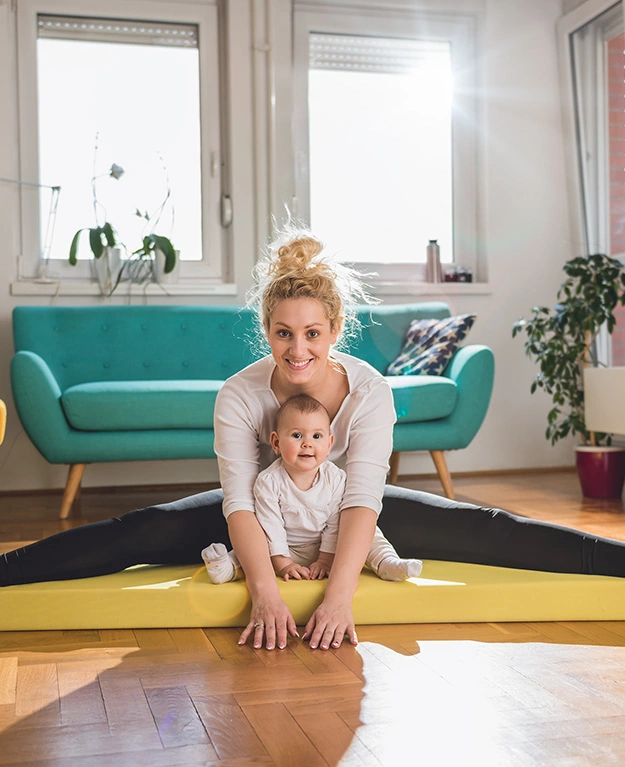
245, 414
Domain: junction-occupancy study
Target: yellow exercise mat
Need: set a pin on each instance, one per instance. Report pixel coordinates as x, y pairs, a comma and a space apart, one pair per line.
447, 592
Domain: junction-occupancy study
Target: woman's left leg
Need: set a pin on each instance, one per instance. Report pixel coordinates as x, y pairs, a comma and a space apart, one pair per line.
430, 527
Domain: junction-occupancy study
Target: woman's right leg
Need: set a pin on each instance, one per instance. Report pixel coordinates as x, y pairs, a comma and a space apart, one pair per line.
170, 533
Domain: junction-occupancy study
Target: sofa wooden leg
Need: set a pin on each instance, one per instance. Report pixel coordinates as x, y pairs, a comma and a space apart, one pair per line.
438, 456
72, 488
3, 420
394, 468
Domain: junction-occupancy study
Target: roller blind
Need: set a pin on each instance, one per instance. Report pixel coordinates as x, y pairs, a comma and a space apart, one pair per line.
117, 30
374, 54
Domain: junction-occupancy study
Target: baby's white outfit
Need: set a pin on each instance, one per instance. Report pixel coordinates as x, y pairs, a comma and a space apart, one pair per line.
301, 523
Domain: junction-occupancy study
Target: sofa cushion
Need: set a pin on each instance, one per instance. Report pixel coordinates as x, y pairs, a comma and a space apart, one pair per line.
137, 405
423, 398
430, 345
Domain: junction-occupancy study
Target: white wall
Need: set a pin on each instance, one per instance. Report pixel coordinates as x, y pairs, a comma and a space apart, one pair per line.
526, 237
528, 231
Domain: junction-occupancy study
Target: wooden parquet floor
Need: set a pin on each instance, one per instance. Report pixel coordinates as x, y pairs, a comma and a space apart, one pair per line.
465, 694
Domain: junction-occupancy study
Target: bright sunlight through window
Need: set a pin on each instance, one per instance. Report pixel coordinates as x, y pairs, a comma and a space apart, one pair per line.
139, 103
380, 146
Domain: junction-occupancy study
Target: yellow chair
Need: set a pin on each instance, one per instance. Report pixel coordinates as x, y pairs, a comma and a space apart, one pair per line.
3, 419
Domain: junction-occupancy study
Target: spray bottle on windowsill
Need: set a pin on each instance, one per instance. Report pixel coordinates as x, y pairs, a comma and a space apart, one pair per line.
433, 270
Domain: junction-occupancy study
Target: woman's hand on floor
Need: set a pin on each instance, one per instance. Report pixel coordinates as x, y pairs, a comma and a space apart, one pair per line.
271, 622
329, 624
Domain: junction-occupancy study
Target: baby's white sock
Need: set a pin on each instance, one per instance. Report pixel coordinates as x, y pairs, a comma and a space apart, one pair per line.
219, 566
394, 569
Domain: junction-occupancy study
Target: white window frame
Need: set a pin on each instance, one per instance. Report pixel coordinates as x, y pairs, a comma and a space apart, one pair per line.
212, 267
460, 31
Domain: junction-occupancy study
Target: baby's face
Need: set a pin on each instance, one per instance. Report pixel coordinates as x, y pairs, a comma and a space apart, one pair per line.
303, 440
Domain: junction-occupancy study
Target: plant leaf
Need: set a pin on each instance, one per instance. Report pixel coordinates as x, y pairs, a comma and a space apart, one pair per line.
165, 246
95, 242
73, 248
108, 232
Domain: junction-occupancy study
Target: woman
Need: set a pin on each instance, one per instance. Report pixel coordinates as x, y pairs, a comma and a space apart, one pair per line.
303, 300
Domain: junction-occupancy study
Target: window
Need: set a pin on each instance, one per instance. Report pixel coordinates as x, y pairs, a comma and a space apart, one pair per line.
596, 56
386, 137
379, 113
130, 91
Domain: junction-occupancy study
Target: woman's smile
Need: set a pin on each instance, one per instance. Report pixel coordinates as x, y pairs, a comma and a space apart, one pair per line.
300, 337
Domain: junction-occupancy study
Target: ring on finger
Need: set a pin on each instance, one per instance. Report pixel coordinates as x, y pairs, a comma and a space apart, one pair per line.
259, 625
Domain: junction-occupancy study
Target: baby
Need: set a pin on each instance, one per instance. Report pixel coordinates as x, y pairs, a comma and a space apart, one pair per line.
298, 501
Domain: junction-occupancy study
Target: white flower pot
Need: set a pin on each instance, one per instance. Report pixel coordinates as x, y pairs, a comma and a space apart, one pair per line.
106, 269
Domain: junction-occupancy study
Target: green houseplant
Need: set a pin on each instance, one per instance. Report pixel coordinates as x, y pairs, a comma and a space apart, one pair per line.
140, 265
562, 342
100, 237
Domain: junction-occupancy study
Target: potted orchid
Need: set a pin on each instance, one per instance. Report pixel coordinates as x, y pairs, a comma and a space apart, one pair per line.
100, 237
156, 254
142, 265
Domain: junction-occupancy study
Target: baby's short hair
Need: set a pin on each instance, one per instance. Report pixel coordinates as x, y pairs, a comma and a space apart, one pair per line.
300, 403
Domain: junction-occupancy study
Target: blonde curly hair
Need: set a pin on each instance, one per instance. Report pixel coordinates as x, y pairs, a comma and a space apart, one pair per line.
295, 265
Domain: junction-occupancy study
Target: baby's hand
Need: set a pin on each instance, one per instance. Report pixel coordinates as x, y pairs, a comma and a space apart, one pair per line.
294, 571
319, 570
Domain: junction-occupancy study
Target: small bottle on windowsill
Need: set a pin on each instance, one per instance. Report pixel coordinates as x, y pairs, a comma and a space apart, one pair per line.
433, 272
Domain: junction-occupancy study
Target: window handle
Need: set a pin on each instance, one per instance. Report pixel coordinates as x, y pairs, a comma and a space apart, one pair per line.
226, 210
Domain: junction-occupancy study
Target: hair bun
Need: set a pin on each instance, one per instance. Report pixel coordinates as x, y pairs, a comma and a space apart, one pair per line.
295, 255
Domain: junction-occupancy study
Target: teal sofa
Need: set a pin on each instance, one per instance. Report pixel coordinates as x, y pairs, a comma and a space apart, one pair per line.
138, 383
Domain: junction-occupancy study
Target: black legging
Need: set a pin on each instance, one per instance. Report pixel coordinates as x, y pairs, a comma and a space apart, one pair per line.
418, 524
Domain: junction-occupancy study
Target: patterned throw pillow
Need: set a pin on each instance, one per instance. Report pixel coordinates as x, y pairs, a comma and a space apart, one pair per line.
430, 345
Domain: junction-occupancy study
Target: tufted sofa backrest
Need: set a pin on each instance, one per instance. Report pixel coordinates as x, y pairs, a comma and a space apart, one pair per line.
143, 343
137, 343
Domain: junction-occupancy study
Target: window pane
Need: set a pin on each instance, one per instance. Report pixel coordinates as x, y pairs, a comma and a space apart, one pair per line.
142, 104
380, 153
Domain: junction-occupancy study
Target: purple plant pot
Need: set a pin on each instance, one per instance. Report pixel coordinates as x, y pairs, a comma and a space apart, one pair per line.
601, 470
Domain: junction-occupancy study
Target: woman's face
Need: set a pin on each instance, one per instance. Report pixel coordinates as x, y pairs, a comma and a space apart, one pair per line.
300, 337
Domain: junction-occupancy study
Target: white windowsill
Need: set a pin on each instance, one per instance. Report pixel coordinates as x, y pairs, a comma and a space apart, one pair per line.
199, 288
432, 289
85, 288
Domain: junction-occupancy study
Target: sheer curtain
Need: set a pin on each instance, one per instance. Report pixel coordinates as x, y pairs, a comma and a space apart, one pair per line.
592, 87
598, 69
